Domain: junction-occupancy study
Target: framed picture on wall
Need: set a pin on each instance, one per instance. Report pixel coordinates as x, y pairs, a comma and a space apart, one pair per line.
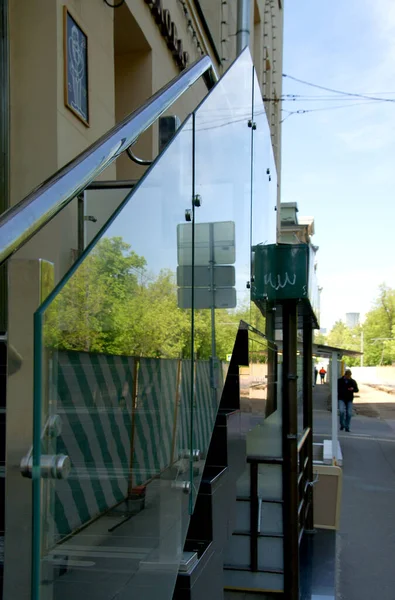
75, 56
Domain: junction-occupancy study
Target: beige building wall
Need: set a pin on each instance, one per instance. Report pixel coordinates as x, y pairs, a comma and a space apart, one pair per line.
128, 61
45, 134
144, 64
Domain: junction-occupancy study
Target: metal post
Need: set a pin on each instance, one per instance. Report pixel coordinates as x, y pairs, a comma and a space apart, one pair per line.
290, 452
334, 407
4, 148
213, 373
243, 25
271, 403
254, 516
81, 222
308, 413
362, 348
212, 263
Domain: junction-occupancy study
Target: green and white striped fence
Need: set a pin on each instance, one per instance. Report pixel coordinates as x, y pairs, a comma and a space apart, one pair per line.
125, 420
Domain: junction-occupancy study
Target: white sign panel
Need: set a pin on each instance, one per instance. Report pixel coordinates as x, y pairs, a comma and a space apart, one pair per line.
224, 276
204, 298
216, 239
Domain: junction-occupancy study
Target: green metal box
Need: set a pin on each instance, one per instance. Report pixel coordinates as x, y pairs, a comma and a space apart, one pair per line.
285, 272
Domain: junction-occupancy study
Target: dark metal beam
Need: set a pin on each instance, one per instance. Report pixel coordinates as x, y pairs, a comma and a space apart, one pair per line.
271, 403
308, 413
254, 516
290, 451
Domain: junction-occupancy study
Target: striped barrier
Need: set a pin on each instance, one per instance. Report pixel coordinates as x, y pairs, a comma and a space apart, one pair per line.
94, 400
124, 421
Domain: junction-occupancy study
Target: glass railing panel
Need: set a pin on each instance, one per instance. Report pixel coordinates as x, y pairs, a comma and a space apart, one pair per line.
99, 202
263, 432
113, 389
222, 218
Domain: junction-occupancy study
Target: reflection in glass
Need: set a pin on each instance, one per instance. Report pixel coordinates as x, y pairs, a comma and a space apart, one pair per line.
222, 219
115, 363
264, 177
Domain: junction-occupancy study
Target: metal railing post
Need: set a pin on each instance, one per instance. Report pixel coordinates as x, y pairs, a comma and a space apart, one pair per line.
308, 413
290, 451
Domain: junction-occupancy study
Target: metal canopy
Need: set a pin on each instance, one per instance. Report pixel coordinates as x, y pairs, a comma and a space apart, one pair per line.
327, 351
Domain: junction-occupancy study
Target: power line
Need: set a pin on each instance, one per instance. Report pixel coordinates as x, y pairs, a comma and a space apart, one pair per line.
343, 93
309, 110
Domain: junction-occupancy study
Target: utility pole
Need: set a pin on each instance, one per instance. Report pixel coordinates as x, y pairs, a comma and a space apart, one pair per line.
361, 347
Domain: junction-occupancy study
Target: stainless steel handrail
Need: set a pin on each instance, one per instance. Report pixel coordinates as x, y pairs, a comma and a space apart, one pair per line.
303, 439
19, 223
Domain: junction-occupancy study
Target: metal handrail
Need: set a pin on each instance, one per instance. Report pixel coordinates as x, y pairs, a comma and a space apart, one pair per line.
19, 223
303, 439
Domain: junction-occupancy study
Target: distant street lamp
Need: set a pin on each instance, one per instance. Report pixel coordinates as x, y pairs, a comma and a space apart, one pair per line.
354, 336
361, 347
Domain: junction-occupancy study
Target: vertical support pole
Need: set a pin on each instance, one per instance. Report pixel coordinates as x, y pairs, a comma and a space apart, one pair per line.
213, 365
271, 403
308, 413
4, 203
243, 25
290, 452
4, 150
176, 411
334, 378
81, 222
133, 422
362, 348
254, 516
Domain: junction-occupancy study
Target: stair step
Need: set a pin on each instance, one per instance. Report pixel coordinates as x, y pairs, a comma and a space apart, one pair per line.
265, 460
269, 500
248, 570
258, 582
263, 534
270, 553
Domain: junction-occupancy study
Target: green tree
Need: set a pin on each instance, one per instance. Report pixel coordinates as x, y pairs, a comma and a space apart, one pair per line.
85, 314
112, 304
344, 337
319, 338
379, 329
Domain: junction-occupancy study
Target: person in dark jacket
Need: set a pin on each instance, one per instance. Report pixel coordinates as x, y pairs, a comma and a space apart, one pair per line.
346, 388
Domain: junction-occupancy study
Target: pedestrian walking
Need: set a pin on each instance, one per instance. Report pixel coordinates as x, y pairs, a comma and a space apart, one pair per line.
315, 376
322, 375
346, 388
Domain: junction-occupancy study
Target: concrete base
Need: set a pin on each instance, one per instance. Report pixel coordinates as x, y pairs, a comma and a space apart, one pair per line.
327, 496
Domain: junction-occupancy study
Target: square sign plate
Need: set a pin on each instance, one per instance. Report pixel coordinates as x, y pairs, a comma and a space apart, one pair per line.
204, 298
224, 276
217, 238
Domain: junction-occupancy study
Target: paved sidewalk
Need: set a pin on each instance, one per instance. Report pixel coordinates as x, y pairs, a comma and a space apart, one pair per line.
365, 545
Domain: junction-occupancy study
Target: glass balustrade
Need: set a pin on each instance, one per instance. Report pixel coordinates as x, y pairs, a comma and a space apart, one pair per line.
132, 349
114, 373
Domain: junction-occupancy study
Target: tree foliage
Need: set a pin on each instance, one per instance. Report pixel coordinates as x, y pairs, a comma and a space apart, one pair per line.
379, 329
113, 305
376, 335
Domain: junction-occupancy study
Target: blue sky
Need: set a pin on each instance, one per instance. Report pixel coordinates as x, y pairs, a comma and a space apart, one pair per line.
338, 165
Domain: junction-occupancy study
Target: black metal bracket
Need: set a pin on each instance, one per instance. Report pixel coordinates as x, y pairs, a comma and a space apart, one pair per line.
114, 5
137, 160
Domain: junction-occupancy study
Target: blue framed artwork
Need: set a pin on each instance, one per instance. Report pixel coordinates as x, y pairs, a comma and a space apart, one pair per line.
75, 49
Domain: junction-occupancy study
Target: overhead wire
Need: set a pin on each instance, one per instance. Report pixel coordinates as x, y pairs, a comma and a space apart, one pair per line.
309, 110
335, 91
